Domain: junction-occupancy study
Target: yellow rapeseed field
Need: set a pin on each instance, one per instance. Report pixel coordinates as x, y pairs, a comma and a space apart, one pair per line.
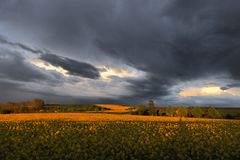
91, 136
93, 117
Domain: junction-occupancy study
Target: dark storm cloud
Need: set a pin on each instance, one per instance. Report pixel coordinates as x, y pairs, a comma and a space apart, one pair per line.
186, 40
15, 91
4, 40
170, 40
229, 86
149, 88
72, 66
9, 90
13, 66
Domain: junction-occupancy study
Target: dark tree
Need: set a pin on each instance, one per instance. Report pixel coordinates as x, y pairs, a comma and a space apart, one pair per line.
36, 104
152, 108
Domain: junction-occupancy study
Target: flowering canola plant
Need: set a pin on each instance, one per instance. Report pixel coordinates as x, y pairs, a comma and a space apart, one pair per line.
119, 139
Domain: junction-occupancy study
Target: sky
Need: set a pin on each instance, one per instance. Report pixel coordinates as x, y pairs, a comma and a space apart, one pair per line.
176, 52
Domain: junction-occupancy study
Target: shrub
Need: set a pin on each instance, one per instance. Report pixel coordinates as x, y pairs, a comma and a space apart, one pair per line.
37, 104
141, 110
182, 112
170, 111
6, 111
229, 116
23, 109
213, 113
197, 112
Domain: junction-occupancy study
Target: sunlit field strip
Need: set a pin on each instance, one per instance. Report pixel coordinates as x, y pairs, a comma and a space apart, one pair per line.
114, 108
94, 117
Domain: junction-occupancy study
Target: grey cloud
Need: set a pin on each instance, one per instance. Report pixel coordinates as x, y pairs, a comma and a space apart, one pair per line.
15, 91
229, 86
4, 40
9, 91
186, 41
170, 40
72, 66
14, 66
219, 101
224, 88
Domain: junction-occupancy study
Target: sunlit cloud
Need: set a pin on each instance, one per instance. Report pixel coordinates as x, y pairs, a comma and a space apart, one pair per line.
49, 67
107, 72
234, 91
208, 90
88, 87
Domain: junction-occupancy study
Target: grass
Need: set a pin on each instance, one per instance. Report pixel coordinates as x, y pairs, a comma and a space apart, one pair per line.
231, 111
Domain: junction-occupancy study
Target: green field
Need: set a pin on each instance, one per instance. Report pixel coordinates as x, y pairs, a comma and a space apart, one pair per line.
235, 112
120, 140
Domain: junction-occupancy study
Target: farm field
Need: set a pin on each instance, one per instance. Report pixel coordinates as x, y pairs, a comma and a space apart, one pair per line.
115, 108
92, 117
106, 136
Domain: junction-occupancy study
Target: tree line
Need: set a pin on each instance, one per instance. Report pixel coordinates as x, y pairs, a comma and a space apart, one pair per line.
35, 105
197, 112
38, 105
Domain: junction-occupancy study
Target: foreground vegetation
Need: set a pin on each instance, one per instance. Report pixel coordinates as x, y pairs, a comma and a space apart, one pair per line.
184, 139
